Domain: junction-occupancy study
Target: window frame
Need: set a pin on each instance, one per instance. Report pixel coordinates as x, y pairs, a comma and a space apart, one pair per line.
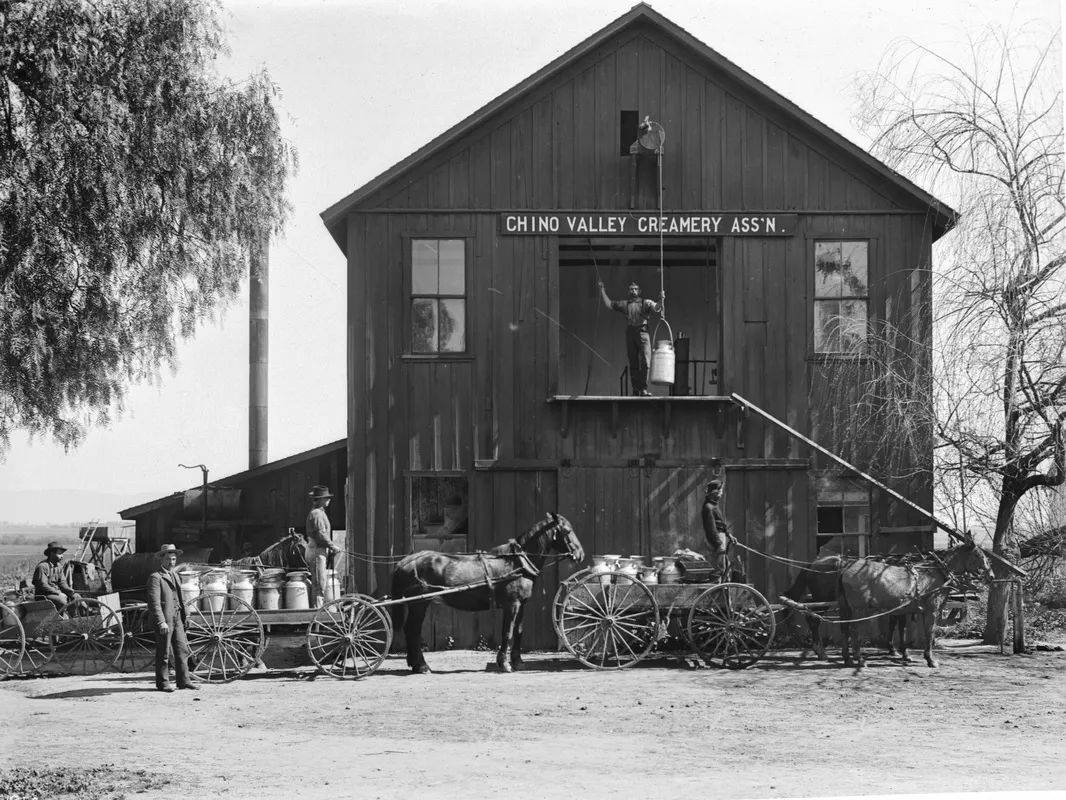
813, 240
866, 539
408, 353
409, 511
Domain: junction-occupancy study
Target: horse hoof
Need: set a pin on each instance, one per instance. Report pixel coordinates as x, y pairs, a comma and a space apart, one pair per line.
893, 653
505, 667
906, 659
421, 670
932, 664
516, 665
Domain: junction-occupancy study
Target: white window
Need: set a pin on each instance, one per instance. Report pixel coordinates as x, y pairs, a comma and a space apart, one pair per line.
841, 296
438, 296
843, 517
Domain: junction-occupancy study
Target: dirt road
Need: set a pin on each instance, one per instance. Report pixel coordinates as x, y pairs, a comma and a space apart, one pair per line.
983, 721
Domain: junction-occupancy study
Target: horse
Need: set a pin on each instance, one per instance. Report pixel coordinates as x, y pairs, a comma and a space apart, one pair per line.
867, 586
818, 580
503, 575
129, 573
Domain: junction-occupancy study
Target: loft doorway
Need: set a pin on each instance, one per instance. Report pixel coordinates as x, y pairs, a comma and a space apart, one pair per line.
592, 350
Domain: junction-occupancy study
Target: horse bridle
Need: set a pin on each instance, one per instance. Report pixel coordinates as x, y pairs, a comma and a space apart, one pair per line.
554, 528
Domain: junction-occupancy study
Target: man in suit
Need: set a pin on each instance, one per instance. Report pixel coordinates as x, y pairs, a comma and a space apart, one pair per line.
167, 611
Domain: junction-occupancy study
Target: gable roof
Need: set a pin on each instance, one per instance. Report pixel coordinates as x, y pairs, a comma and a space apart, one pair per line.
333, 217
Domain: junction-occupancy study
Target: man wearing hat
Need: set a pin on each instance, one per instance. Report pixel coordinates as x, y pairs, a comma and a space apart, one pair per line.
637, 309
49, 583
716, 529
319, 540
167, 611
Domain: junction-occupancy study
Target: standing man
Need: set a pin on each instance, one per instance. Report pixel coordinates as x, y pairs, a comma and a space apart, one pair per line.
319, 541
167, 611
637, 309
716, 529
49, 583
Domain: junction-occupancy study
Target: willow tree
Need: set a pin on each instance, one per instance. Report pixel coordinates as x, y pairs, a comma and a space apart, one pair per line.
989, 397
133, 181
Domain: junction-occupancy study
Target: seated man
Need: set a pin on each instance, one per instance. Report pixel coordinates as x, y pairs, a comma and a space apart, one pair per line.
49, 583
716, 529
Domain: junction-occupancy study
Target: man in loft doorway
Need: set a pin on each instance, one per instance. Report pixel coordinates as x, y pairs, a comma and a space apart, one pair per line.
637, 310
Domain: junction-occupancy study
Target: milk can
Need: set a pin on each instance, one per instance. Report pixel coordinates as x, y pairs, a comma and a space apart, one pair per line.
243, 588
601, 568
296, 593
268, 593
190, 585
215, 587
627, 567
611, 562
662, 358
669, 572
649, 575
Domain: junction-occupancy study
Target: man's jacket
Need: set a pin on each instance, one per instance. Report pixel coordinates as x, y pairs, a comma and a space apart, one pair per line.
164, 598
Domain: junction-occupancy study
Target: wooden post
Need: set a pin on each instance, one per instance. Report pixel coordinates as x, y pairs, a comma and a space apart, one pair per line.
1019, 616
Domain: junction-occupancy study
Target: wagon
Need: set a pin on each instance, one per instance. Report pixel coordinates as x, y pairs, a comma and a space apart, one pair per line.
84, 636
611, 620
346, 638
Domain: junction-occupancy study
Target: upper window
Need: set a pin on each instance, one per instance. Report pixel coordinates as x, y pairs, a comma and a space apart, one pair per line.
841, 296
843, 517
438, 296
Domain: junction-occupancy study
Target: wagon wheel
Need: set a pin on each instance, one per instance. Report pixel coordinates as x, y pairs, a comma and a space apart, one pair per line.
12, 642
560, 593
85, 637
730, 625
609, 626
224, 644
349, 637
138, 646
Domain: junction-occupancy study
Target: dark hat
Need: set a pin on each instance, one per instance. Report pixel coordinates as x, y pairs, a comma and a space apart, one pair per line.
54, 546
320, 493
169, 548
714, 486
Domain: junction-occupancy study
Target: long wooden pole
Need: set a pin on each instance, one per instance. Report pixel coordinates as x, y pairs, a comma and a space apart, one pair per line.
869, 479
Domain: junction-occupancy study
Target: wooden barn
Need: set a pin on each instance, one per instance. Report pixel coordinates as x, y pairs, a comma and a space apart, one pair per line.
487, 381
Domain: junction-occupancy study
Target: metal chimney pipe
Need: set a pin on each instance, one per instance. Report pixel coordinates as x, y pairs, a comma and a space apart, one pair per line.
258, 322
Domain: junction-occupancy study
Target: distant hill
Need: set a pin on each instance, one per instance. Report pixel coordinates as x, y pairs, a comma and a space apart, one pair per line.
65, 506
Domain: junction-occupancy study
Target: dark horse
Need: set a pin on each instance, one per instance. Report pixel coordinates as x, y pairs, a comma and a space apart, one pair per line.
503, 575
868, 586
817, 583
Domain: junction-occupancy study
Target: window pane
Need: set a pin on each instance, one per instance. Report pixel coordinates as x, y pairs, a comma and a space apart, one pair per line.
424, 266
827, 269
852, 325
854, 269
856, 520
423, 325
827, 326
452, 326
439, 506
830, 519
452, 266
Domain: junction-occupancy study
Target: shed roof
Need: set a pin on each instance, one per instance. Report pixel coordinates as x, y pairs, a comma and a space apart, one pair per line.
333, 217
135, 511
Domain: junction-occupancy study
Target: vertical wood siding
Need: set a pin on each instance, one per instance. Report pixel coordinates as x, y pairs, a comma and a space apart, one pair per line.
558, 148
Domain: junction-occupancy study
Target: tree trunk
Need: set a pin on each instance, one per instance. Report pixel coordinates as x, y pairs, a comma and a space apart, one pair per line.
999, 593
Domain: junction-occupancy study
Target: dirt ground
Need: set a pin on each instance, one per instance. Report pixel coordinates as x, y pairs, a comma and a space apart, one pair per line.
783, 728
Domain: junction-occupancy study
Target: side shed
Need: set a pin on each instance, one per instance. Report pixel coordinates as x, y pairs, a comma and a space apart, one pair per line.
247, 511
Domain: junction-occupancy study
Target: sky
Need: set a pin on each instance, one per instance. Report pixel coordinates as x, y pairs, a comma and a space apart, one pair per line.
362, 85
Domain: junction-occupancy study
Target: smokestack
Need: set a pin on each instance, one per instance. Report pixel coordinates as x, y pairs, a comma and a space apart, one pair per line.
258, 321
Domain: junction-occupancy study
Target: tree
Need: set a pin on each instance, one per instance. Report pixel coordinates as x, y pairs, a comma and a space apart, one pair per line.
991, 395
133, 182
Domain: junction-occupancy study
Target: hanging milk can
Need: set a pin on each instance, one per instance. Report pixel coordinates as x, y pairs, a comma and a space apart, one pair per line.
662, 358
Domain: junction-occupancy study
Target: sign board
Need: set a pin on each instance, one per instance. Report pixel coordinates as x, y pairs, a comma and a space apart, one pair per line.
642, 223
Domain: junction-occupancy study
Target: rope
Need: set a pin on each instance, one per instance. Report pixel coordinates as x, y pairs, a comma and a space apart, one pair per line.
800, 607
662, 267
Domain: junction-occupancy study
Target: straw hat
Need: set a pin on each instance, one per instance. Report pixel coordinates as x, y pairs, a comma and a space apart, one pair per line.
169, 548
